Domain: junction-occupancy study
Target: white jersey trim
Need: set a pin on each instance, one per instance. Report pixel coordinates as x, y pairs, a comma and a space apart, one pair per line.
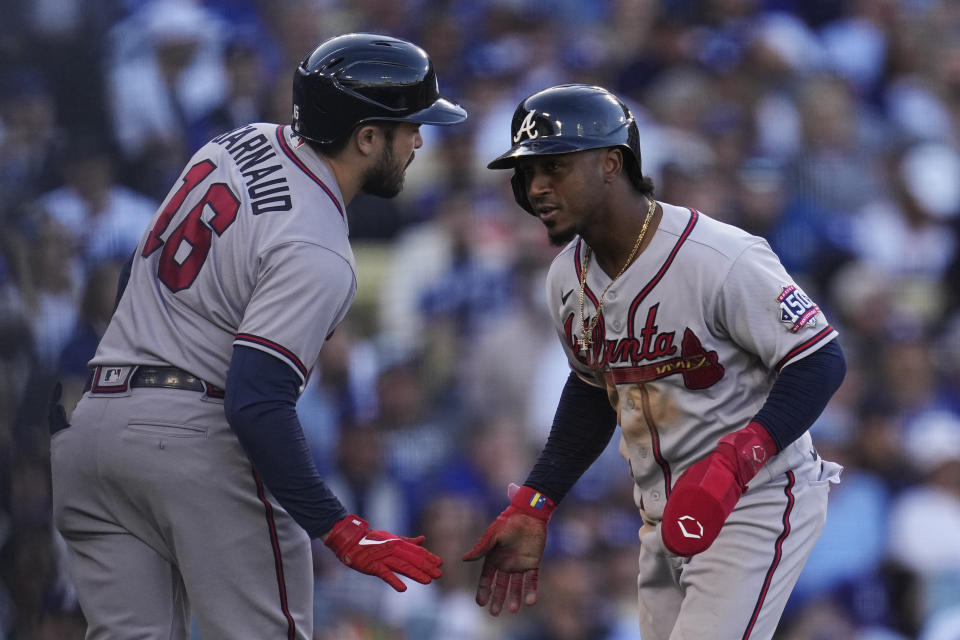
274, 349
800, 352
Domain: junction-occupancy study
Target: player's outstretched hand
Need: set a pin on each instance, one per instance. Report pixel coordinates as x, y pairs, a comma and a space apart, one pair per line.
382, 554
511, 549
708, 490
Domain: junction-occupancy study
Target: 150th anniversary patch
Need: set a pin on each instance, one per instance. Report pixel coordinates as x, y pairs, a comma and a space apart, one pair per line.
796, 309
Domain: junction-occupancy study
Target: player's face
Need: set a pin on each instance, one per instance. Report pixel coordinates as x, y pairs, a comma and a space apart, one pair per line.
385, 177
565, 191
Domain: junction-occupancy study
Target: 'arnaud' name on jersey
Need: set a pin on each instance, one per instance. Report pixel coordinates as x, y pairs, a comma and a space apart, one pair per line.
249, 152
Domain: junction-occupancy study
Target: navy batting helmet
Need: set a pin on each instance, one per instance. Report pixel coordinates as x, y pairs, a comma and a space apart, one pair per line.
570, 117
567, 118
358, 77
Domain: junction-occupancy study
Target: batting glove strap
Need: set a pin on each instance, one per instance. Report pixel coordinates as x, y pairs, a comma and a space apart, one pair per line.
531, 502
344, 536
706, 493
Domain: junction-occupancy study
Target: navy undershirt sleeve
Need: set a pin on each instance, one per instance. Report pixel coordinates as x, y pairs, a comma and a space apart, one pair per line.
260, 404
801, 392
582, 427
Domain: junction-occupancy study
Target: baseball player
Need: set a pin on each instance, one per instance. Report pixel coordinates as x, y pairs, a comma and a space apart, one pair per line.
184, 483
688, 334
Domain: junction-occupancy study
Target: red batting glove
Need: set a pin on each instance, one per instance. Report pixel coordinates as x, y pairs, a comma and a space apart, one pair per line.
512, 547
380, 553
707, 492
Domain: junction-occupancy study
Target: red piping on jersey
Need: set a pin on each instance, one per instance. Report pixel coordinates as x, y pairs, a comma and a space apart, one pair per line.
286, 353
647, 413
655, 440
277, 559
803, 347
777, 555
694, 216
297, 161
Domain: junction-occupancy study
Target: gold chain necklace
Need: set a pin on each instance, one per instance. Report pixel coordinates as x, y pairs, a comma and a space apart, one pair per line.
586, 331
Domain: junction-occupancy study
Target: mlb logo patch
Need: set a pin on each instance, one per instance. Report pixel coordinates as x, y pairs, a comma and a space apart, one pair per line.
796, 309
111, 379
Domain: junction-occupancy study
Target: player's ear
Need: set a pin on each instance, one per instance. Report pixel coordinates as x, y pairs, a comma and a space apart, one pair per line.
367, 137
612, 163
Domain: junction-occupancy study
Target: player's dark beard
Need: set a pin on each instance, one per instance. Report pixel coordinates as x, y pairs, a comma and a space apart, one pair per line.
558, 235
385, 179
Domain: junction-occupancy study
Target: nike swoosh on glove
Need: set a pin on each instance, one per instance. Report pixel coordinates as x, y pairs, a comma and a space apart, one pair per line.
381, 553
706, 493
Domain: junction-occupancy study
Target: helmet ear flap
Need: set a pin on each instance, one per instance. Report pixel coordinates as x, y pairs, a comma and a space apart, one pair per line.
519, 185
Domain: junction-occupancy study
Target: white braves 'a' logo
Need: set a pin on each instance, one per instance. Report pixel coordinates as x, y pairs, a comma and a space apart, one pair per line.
528, 126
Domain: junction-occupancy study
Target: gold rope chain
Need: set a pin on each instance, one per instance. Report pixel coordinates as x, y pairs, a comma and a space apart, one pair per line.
586, 336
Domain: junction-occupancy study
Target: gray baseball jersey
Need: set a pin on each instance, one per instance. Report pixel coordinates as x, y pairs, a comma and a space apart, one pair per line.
249, 248
688, 346
262, 193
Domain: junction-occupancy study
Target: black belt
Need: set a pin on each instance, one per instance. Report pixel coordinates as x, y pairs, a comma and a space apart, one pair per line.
163, 377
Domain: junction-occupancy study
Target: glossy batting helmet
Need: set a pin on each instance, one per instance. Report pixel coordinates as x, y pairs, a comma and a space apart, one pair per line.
358, 77
567, 118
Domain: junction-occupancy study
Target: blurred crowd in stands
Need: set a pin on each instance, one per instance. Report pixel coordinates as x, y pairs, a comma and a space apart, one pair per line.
829, 127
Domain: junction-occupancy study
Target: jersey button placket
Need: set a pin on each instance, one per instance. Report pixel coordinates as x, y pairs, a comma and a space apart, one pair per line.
615, 323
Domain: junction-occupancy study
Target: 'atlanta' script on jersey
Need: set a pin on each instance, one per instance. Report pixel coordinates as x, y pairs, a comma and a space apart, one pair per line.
700, 368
